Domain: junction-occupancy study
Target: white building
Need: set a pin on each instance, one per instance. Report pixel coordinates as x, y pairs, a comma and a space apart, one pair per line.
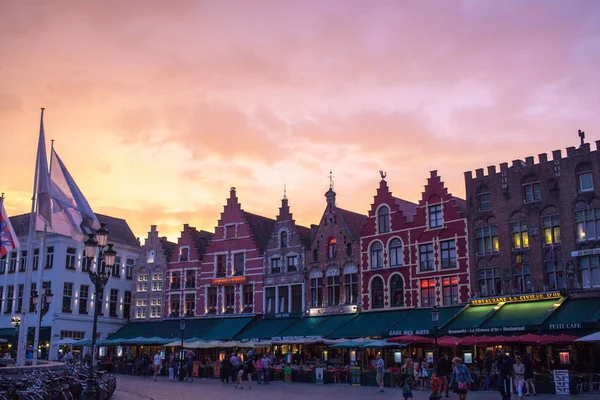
65, 272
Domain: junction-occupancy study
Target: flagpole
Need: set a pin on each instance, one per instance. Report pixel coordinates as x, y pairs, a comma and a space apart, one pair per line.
40, 284
22, 341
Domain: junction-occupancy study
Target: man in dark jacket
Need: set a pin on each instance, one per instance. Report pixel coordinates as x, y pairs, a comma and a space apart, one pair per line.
443, 371
505, 369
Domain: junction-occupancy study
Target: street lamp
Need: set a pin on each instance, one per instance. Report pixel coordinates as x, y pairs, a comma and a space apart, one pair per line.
97, 243
435, 317
16, 322
46, 298
182, 329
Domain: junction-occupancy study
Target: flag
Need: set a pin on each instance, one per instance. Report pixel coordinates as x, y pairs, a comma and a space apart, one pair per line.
62, 179
8, 239
44, 206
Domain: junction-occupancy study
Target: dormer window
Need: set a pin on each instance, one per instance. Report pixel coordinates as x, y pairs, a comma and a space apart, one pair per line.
435, 216
184, 253
383, 220
331, 248
283, 239
150, 257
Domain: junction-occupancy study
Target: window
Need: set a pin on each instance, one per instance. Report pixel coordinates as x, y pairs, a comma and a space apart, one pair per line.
531, 192
75, 335
229, 231
190, 304
70, 259
396, 255
486, 240
331, 248
116, 270
333, 290
520, 236
1, 297
150, 256
175, 280
229, 299
175, 305
84, 294
426, 257
316, 291
435, 216
383, 220
86, 263
270, 299
12, 264
450, 291
376, 255
127, 304
351, 288
190, 279
143, 283
112, 305
522, 276
140, 310
397, 291
283, 242
284, 299
448, 254
484, 199
349, 249
489, 282
315, 255
248, 292
20, 291
3, 264
238, 263
588, 224
23, 261
586, 183
49, 257
590, 271
212, 299
551, 227
297, 303
36, 259
156, 309
377, 292
292, 263
67, 297
157, 282
32, 290
275, 265
221, 265
427, 292
10, 296
555, 275
129, 263
184, 253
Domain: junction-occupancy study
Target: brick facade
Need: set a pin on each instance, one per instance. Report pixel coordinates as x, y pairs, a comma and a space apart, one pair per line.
528, 220
415, 255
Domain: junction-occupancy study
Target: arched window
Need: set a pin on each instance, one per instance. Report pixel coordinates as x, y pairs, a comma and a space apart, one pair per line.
397, 291
377, 292
333, 286
331, 248
396, 256
383, 220
283, 239
376, 255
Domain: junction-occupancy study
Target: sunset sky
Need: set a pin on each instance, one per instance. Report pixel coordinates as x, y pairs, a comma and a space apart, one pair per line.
158, 107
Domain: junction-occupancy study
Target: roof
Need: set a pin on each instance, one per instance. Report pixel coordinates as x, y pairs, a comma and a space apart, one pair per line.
305, 235
168, 247
261, 227
200, 239
461, 203
119, 230
409, 209
354, 221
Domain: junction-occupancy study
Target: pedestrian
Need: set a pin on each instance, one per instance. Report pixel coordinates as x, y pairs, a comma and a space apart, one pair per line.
266, 361
529, 385
225, 370
505, 367
259, 369
172, 366
156, 364
144, 366
436, 387
442, 372
380, 369
408, 372
249, 368
190, 366
461, 377
519, 376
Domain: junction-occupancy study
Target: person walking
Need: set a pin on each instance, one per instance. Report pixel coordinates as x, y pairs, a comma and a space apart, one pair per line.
266, 364
156, 364
461, 377
442, 372
380, 368
529, 385
172, 367
519, 376
408, 372
144, 366
190, 367
505, 367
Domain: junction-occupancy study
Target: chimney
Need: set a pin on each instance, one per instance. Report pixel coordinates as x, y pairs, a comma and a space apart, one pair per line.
186, 227
492, 170
232, 192
543, 157
152, 228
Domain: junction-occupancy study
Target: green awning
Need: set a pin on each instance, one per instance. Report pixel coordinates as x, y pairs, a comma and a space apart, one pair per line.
265, 329
574, 314
298, 329
469, 320
132, 329
11, 333
197, 327
227, 328
330, 325
520, 317
369, 324
8, 333
418, 321
164, 329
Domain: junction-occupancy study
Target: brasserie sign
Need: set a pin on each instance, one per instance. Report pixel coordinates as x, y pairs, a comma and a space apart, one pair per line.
516, 298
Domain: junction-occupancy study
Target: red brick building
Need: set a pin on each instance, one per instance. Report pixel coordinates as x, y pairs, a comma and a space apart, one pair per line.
333, 269
182, 273
415, 255
231, 278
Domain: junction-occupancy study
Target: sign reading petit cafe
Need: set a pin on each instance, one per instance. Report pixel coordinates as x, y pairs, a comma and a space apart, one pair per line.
513, 299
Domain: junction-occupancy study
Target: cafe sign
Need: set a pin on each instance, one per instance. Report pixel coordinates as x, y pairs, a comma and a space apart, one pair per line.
498, 330
296, 338
586, 252
404, 332
517, 298
229, 281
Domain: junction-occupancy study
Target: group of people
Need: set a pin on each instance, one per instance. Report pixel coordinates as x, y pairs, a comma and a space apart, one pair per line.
239, 370
146, 366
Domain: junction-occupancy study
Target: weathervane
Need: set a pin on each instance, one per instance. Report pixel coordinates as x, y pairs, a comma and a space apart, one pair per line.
581, 136
330, 179
382, 173
284, 191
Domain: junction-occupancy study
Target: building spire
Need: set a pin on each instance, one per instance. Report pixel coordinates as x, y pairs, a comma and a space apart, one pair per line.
284, 191
331, 179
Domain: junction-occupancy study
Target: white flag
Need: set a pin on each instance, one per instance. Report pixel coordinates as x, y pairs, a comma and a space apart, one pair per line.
44, 205
8, 239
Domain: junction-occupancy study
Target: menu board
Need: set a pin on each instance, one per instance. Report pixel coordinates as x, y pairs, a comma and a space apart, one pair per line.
561, 381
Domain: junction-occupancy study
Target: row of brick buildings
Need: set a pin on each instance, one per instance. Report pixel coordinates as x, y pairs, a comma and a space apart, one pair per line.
529, 227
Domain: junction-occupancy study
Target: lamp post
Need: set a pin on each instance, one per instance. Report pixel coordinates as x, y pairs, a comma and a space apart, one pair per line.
97, 243
182, 329
46, 298
16, 322
435, 317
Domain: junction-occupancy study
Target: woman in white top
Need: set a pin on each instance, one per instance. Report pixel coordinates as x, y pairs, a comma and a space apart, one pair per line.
519, 376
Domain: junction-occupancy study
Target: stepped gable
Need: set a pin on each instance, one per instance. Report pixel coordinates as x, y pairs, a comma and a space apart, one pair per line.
436, 191
261, 227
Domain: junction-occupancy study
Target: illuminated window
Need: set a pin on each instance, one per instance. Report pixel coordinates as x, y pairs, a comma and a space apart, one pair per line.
383, 220
435, 216
531, 192
520, 236
396, 255
331, 248
427, 292
450, 291
426, 257
377, 292
588, 224
551, 228
376, 255
486, 239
